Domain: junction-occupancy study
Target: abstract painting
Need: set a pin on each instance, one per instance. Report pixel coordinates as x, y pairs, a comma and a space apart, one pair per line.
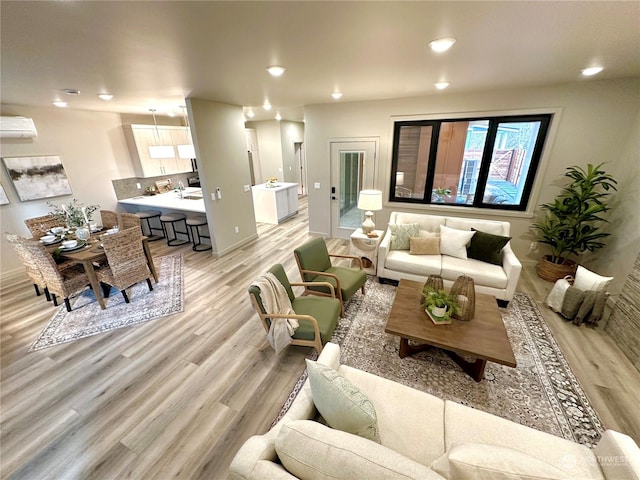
37, 177
3, 196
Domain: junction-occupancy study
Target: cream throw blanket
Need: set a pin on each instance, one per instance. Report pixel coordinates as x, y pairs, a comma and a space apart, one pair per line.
275, 300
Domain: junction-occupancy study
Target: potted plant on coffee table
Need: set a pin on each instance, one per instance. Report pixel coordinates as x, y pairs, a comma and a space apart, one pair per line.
439, 305
573, 220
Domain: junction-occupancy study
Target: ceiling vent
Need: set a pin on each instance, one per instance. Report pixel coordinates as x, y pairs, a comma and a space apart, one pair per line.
17, 127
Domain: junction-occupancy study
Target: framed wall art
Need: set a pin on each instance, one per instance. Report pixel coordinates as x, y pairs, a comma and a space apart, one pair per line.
35, 178
3, 196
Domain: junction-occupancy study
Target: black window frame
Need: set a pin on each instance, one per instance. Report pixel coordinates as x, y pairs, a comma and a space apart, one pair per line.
485, 162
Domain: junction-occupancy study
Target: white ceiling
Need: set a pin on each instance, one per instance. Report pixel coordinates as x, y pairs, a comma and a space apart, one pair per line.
154, 54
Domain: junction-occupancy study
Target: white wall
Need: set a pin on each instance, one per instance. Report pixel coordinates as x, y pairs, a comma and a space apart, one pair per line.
598, 122
219, 137
290, 133
270, 148
93, 151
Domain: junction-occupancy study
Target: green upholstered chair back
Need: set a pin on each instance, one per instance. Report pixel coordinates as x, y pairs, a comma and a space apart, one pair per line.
278, 271
313, 255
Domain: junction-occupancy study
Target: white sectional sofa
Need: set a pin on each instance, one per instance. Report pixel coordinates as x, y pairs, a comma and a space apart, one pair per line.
497, 280
424, 437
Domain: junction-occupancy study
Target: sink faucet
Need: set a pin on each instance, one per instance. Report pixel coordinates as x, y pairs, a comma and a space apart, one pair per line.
180, 189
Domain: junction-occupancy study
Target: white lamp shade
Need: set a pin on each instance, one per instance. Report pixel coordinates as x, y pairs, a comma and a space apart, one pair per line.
162, 151
370, 200
186, 151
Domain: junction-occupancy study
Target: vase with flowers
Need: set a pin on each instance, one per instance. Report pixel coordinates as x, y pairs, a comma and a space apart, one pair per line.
73, 214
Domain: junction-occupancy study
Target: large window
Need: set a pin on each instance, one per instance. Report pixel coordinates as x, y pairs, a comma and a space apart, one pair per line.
487, 162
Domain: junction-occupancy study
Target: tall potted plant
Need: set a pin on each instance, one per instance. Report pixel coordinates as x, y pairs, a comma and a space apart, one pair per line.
572, 222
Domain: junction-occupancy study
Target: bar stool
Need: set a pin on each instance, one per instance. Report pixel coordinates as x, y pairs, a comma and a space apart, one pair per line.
174, 219
194, 224
145, 217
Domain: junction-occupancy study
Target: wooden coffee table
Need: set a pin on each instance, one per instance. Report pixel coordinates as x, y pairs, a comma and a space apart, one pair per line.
484, 337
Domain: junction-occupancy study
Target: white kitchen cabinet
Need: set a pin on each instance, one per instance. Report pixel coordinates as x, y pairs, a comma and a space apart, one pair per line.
141, 137
275, 204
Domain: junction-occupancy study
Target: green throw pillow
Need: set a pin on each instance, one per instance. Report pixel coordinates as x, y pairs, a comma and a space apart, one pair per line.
341, 403
487, 247
401, 233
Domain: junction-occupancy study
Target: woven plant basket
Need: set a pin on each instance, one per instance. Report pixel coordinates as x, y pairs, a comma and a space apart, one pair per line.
547, 270
465, 291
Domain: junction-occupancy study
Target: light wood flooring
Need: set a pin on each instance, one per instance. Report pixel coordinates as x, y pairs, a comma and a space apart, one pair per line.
176, 397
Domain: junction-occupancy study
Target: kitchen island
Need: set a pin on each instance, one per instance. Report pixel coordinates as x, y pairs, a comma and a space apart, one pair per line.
191, 201
274, 204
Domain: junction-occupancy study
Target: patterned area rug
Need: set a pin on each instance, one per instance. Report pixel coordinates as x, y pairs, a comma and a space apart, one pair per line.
87, 318
542, 392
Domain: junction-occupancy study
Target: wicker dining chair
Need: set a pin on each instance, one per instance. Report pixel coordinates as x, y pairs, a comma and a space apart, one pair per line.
129, 220
33, 272
63, 283
127, 263
109, 219
39, 226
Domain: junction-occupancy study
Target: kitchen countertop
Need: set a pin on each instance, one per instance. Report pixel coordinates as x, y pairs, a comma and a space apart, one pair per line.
278, 186
191, 200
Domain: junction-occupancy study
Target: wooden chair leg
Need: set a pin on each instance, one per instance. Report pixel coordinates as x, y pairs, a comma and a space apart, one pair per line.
35, 286
67, 304
47, 294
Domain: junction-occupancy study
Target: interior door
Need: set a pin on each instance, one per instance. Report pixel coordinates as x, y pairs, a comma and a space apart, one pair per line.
352, 169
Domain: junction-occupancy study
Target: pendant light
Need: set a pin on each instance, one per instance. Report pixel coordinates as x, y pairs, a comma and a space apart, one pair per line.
186, 151
157, 150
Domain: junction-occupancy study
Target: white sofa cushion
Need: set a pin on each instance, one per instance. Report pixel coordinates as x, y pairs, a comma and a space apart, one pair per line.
482, 273
478, 461
466, 424
402, 261
497, 228
341, 403
430, 223
312, 451
454, 242
618, 455
410, 421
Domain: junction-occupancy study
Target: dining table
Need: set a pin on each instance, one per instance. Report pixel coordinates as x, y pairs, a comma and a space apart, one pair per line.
93, 253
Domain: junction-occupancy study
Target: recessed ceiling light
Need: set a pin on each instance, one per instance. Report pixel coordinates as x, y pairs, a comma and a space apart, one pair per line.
278, 116
587, 72
275, 70
442, 44
71, 91
60, 104
250, 113
441, 85
336, 95
266, 105
105, 96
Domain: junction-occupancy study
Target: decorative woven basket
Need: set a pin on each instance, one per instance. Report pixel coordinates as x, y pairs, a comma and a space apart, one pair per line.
465, 291
434, 282
547, 270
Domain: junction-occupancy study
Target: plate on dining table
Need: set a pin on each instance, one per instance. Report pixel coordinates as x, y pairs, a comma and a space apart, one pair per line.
53, 242
80, 244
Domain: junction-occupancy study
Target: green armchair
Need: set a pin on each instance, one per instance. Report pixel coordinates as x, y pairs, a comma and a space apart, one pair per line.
314, 264
317, 316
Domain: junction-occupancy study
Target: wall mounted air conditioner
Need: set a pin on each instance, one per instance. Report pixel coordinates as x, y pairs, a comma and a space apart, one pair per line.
17, 127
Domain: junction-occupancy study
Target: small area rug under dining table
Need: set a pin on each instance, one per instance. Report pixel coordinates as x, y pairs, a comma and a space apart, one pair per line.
541, 392
87, 318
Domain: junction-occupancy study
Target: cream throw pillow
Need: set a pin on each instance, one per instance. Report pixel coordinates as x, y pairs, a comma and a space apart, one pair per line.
400, 234
341, 403
312, 451
454, 242
477, 461
587, 280
424, 246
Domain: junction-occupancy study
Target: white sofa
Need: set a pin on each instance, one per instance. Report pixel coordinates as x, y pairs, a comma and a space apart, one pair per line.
424, 437
497, 280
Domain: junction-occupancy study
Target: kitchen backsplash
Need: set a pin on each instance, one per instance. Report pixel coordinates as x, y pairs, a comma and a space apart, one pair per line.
127, 187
